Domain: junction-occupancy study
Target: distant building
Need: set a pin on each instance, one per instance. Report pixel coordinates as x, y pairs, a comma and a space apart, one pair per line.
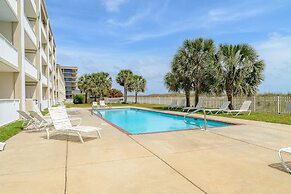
70, 76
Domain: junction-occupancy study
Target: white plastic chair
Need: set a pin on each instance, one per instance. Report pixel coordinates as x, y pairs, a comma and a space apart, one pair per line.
28, 120
62, 123
244, 108
222, 108
199, 106
286, 150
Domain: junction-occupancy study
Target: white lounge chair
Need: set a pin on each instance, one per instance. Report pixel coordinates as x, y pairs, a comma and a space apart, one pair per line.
244, 108
222, 108
286, 150
44, 121
28, 120
102, 104
199, 106
174, 104
94, 105
62, 123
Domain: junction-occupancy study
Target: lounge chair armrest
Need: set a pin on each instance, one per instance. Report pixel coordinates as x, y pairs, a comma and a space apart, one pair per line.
76, 121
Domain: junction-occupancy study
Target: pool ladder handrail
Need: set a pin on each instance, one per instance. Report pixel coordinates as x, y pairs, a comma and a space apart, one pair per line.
97, 111
205, 119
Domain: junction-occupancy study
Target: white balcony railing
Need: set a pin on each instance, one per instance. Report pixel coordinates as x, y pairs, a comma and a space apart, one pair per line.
10, 114
42, 52
44, 80
43, 29
8, 53
33, 5
13, 5
29, 31
30, 69
50, 84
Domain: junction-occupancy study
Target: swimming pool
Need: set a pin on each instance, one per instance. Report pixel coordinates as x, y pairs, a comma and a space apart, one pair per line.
137, 121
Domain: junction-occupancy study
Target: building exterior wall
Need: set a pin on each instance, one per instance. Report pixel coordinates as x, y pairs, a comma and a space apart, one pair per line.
70, 77
28, 69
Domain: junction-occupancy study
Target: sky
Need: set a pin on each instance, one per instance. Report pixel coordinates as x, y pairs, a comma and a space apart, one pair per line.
143, 35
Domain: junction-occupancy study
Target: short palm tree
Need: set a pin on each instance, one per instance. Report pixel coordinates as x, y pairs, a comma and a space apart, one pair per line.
239, 70
139, 85
190, 66
84, 85
100, 84
125, 79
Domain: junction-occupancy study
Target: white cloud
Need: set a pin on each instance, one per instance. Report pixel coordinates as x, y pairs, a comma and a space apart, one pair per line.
224, 15
140, 15
113, 5
276, 52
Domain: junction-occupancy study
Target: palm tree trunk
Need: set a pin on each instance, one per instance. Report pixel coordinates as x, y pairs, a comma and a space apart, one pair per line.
229, 94
86, 97
135, 97
125, 95
197, 92
187, 94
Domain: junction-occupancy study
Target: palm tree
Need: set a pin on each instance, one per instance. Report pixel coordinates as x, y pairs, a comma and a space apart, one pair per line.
190, 66
100, 84
239, 70
139, 85
83, 85
200, 54
124, 78
179, 78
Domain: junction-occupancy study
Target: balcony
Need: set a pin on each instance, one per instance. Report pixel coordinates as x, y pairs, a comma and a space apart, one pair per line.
50, 84
8, 56
29, 31
44, 31
44, 80
8, 10
30, 70
42, 52
30, 8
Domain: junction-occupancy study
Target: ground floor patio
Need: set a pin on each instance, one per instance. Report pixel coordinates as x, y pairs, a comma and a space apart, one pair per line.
235, 159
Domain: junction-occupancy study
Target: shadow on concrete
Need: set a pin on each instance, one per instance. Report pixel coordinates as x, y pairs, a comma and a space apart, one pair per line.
70, 137
280, 167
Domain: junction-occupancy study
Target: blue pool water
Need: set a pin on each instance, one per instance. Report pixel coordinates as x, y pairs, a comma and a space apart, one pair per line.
136, 121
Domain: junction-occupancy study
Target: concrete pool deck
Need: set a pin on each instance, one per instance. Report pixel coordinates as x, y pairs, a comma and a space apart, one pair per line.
233, 159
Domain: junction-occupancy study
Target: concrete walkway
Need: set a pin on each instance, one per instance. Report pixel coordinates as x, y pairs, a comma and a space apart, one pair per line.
235, 159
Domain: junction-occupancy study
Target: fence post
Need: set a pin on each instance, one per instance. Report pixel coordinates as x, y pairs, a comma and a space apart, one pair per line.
254, 103
278, 104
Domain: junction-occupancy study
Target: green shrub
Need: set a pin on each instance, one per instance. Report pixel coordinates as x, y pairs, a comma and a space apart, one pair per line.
78, 99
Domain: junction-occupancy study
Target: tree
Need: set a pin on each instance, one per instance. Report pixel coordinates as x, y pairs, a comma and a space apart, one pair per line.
114, 93
239, 71
84, 85
100, 84
190, 67
139, 85
125, 79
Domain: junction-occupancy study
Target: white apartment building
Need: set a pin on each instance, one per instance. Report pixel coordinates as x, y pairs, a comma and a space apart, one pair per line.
29, 75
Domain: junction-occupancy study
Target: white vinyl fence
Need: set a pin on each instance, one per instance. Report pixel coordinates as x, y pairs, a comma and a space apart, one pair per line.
8, 111
272, 104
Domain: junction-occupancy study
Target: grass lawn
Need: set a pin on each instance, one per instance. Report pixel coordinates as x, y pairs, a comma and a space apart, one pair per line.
266, 117
10, 130
256, 116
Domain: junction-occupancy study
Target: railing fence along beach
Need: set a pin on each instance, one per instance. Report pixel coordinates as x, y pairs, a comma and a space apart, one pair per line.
272, 104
